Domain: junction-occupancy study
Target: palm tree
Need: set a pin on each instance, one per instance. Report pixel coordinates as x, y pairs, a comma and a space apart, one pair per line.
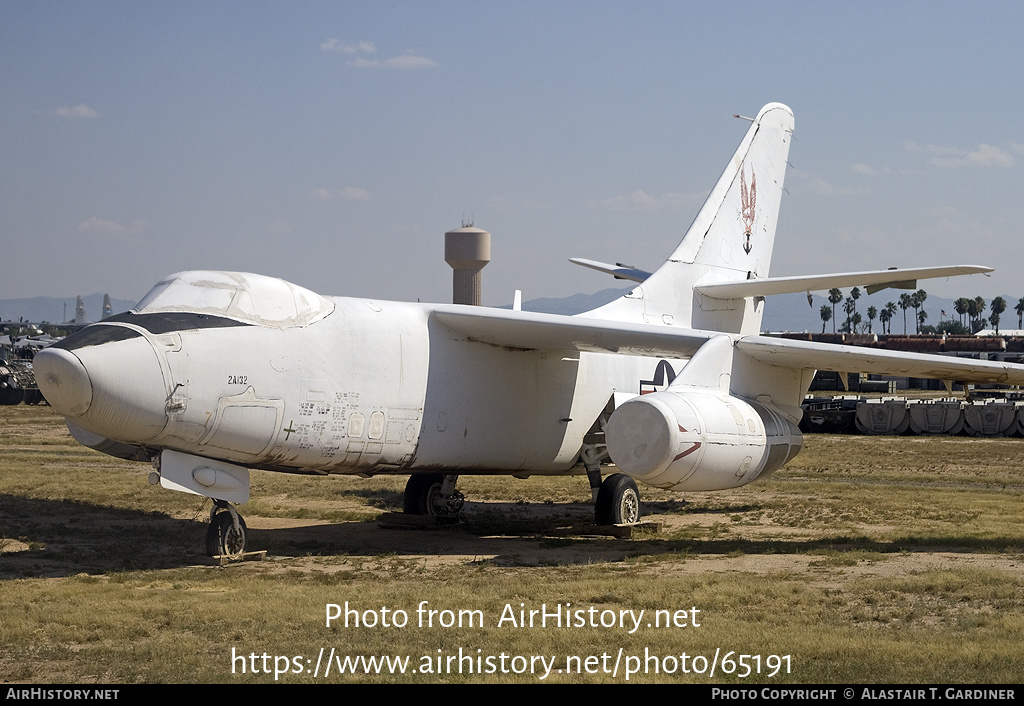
872, 315
960, 307
998, 306
979, 303
972, 313
855, 295
891, 308
905, 303
884, 316
850, 307
1020, 313
826, 314
918, 298
834, 297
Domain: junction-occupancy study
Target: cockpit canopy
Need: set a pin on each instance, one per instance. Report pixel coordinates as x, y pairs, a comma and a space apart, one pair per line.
254, 299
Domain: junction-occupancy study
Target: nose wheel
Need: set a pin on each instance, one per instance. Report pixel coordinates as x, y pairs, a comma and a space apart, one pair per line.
225, 536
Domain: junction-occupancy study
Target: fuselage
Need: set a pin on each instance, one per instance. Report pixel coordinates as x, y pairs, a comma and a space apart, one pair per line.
370, 387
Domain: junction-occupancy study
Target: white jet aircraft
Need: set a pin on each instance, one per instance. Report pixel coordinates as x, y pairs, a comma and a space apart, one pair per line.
214, 373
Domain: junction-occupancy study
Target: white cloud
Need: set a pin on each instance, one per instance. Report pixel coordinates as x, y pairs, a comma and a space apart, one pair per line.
408, 60
951, 157
824, 188
868, 170
104, 227
349, 193
74, 113
405, 61
989, 156
340, 47
640, 200
803, 182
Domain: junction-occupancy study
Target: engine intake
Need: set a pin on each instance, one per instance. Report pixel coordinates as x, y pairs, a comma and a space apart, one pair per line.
699, 439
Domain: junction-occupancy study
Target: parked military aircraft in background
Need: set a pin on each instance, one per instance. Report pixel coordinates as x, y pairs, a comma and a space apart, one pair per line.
215, 373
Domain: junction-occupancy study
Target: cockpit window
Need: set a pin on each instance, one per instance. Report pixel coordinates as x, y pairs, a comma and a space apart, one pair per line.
245, 297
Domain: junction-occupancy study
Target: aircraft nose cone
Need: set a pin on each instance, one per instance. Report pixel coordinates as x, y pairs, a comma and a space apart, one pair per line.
108, 382
64, 381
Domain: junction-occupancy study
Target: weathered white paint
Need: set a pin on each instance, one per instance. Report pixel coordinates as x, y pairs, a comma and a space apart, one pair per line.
218, 371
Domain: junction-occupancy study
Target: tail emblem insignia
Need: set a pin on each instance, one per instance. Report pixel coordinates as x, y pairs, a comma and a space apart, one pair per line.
748, 196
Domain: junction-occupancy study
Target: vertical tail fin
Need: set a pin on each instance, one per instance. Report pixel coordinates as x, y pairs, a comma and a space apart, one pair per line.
730, 239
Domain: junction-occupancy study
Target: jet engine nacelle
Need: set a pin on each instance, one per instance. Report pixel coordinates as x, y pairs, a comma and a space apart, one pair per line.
699, 439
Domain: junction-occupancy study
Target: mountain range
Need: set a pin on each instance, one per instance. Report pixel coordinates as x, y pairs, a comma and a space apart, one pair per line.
56, 310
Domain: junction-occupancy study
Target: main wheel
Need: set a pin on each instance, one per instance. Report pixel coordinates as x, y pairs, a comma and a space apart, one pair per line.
420, 493
618, 501
223, 538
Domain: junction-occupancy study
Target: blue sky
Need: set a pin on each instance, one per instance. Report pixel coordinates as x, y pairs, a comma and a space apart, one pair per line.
333, 143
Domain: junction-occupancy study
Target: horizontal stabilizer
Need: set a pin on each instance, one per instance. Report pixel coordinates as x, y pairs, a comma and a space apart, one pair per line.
619, 271
787, 353
875, 280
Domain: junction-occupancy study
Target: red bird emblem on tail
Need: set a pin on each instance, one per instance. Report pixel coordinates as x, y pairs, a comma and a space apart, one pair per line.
748, 197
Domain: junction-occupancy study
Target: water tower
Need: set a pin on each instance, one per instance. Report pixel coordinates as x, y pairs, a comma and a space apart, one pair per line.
80, 311
467, 250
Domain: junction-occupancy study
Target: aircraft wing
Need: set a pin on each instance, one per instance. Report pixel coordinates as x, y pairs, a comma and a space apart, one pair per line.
529, 330
788, 353
617, 270
874, 280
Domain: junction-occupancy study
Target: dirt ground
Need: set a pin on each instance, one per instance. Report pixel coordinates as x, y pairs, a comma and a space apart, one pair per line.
102, 538
887, 547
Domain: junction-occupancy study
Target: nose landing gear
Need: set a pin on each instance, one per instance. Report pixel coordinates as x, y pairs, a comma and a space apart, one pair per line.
226, 534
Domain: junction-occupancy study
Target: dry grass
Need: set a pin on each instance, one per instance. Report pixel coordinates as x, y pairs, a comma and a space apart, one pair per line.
870, 559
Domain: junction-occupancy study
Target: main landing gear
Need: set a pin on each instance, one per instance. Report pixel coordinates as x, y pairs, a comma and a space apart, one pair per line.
433, 494
616, 499
226, 534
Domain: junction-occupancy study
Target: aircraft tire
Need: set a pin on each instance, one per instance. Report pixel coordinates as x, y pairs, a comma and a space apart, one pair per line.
222, 539
618, 501
420, 492
11, 395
